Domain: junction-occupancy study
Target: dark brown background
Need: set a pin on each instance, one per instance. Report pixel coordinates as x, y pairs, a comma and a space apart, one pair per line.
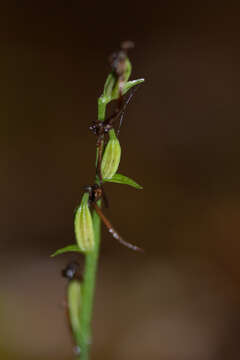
180, 140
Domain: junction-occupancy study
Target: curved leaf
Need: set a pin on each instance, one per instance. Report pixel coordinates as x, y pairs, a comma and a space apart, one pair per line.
122, 179
130, 84
69, 248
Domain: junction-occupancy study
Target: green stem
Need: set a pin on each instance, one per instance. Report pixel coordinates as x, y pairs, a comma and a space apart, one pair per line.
83, 337
102, 104
81, 294
88, 287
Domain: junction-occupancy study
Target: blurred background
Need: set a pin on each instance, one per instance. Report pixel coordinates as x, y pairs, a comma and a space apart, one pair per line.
180, 300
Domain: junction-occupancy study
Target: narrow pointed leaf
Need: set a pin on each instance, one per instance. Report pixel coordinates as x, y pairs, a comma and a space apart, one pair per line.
122, 179
128, 70
69, 248
131, 84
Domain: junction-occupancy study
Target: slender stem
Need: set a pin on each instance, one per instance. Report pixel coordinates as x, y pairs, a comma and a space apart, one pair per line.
102, 104
83, 337
81, 294
88, 287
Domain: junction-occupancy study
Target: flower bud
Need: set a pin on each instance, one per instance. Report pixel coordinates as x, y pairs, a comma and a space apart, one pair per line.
123, 70
116, 80
74, 304
111, 157
83, 226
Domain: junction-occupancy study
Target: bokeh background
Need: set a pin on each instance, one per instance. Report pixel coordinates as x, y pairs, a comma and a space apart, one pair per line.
180, 300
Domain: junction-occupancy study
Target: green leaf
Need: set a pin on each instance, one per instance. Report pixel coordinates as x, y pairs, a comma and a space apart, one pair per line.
122, 179
69, 248
128, 69
130, 84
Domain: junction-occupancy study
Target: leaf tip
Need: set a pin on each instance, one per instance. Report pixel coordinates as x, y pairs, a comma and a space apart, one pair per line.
53, 255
